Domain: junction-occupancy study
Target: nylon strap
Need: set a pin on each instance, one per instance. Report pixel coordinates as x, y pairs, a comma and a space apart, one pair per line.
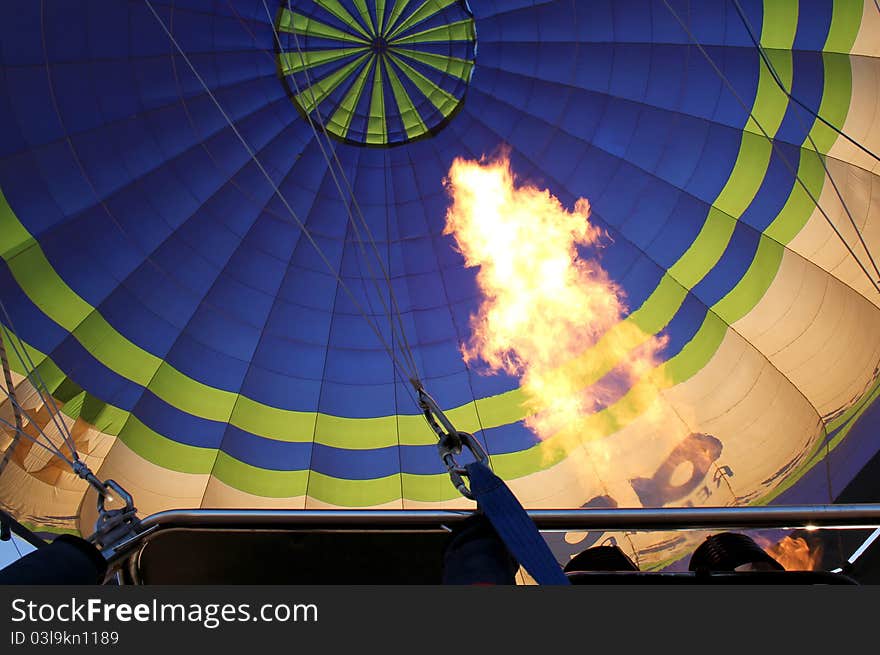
514, 526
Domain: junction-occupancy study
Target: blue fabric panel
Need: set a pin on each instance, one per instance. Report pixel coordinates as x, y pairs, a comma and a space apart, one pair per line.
267, 453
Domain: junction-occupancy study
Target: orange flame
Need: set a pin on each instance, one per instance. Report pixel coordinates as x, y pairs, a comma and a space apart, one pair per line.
549, 315
796, 554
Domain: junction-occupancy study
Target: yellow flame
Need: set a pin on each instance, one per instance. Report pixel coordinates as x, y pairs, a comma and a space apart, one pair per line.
795, 554
549, 314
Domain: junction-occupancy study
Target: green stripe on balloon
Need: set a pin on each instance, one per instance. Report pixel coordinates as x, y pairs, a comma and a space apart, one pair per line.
396, 11
377, 132
366, 18
458, 31
336, 8
298, 24
317, 92
444, 101
412, 122
380, 15
424, 12
260, 482
340, 122
295, 62
452, 66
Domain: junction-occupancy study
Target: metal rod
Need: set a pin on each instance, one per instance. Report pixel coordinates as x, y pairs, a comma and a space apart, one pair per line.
682, 518
22, 532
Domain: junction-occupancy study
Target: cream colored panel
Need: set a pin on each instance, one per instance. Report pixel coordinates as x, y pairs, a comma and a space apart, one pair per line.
568, 484
819, 243
314, 503
866, 42
765, 427
818, 332
153, 487
760, 417
220, 494
40, 423
37, 486
862, 123
636, 451
17, 378
767, 431
30, 499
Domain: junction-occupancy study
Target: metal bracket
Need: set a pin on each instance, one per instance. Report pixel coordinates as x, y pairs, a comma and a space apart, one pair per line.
116, 529
451, 442
451, 446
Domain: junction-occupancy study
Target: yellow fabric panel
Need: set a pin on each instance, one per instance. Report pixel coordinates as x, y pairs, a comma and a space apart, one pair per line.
866, 42
153, 487
220, 494
312, 503
570, 483
636, 451
818, 332
761, 418
818, 242
863, 119
36, 485
738, 397
27, 496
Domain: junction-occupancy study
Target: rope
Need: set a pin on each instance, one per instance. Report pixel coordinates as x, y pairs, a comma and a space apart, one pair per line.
52, 448
39, 384
10, 388
785, 161
79, 467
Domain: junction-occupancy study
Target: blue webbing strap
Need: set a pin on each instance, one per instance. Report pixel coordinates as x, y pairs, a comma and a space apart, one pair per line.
514, 526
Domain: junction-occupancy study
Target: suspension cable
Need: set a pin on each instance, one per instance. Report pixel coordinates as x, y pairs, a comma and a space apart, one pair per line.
10, 387
394, 315
116, 528
73, 461
36, 379
773, 145
794, 99
77, 465
772, 68
450, 440
48, 446
455, 442
400, 367
350, 197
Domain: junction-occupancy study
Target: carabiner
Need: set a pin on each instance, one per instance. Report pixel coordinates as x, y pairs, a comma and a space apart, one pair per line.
452, 445
451, 441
